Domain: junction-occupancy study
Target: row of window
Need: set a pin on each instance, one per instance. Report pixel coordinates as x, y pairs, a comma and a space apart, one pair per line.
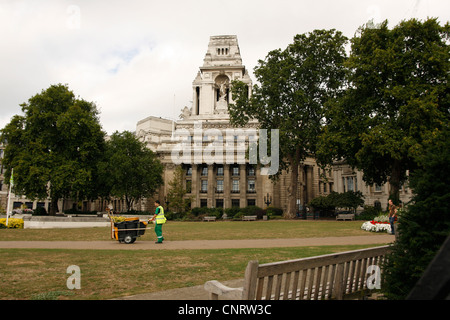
235, 203
222, 51
251, 171
251, 186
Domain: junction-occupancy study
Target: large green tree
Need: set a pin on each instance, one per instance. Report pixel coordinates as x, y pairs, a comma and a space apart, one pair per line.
398, 94
425, 225
54, 147
129, 169
293, 87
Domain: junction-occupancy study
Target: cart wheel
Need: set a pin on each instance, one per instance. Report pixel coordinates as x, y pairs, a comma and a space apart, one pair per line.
129, 239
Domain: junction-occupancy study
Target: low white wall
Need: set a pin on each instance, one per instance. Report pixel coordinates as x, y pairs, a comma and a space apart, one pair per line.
64, 222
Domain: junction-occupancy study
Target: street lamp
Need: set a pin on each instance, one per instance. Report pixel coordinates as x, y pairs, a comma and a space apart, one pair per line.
268, 199
166, 200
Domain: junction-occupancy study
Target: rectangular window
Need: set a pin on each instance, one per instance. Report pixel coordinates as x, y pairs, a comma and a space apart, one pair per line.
235, 171
349, 183
189, 171
204, 171
220, 171
235, 203
235, 186
251, 186
251, 202
219, 188
219, 203
203, 203
204, 186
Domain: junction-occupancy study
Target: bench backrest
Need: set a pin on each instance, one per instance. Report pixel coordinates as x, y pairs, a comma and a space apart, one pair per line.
321, 277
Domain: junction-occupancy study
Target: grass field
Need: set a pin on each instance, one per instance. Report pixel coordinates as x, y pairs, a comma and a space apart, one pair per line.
105, 274
284, 229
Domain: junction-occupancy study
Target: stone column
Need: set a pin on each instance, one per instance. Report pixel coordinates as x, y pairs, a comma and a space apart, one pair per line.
226, 186
195, 186
243, 185
211, 186
259, 188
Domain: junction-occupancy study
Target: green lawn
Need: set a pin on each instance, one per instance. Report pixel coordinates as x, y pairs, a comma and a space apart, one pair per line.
41, 273
203, 231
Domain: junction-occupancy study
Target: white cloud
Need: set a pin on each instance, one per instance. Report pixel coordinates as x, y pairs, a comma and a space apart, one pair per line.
138, 58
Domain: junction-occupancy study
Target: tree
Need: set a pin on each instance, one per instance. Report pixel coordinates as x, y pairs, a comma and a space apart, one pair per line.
130, 169
54, 147
425, 225
398, 93
294, 86
177, 192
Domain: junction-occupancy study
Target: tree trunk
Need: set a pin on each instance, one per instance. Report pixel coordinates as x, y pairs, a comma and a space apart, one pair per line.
394, 182
129, 202
292, 188
53, 207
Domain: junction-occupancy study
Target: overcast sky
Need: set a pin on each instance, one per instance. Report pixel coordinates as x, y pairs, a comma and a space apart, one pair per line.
138, 58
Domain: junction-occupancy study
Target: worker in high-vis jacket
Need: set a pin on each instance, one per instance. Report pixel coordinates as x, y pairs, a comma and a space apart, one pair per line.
159, 219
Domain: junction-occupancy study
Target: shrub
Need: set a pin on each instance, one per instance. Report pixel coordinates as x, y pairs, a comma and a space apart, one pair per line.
238, 216
368, 214
231, 212
13, 223
40, 211
272, 211
212, 212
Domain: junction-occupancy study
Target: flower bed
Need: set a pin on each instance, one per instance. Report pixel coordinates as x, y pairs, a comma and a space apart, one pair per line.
376, 226
13, 223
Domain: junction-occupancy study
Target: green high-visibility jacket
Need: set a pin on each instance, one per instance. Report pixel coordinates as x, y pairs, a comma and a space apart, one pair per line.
160, 218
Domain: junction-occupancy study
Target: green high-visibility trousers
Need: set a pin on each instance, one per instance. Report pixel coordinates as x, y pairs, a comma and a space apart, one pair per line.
158, 231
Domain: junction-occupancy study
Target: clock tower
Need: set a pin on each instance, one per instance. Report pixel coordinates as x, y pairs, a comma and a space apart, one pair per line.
211, 88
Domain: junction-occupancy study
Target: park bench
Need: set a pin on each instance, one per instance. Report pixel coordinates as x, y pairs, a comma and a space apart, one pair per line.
249, 218
209, 218
345, 216
330, 276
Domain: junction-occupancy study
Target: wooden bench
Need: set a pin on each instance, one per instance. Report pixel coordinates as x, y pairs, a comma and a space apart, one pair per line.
345, 216
209, 218
329, 276
249, 218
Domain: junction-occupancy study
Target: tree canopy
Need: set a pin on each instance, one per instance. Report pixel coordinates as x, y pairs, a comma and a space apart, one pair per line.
294, 84
54, 147
397, 98
129, 168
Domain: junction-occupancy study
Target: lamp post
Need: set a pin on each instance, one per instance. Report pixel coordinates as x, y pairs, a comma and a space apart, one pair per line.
267, 199
167, 202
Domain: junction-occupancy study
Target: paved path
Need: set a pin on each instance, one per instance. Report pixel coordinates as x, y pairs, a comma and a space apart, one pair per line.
198, 244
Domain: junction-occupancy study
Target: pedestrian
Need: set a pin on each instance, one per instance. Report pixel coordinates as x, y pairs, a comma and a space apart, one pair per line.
392, 215
159, 219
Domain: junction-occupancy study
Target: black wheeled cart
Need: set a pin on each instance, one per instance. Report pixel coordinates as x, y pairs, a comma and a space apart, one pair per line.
127, 231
